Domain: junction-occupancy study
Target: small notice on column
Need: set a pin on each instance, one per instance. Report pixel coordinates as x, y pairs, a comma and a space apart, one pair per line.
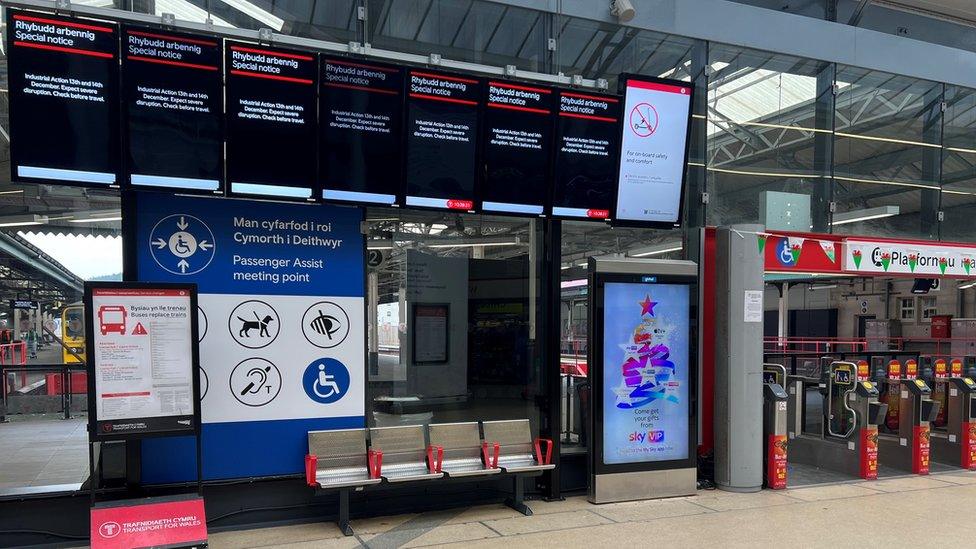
143, 363
753, 306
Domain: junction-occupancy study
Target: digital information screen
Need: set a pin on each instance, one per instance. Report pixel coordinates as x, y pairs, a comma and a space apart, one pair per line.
64, 108
361, 112
653, 151
173, 110
271, 121
646, 372
442, 140
585, 159
517, 138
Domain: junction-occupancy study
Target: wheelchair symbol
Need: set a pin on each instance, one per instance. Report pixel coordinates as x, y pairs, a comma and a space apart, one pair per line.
326, 380
181, 246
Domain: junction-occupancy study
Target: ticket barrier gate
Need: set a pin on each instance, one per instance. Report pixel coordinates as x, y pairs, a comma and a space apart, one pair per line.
847, 437
906, 444
953, 437
774, 426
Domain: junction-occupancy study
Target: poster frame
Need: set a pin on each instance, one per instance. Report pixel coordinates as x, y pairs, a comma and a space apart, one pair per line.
642, 273
93, 433
446, 307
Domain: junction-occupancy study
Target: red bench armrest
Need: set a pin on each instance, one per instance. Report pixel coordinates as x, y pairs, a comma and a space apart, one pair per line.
435, 458
311, 466
489, 454
374, 461
540, 458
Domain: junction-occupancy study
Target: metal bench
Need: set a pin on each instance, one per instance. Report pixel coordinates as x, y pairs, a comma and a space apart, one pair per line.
405, 453
518, 455
338, 460
464, 453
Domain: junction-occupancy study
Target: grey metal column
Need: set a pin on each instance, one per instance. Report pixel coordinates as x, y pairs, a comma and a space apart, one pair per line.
823, 149
932, 128
695, 202
738, 361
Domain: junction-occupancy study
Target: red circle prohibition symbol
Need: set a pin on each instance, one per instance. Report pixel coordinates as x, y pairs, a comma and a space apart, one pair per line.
643, 120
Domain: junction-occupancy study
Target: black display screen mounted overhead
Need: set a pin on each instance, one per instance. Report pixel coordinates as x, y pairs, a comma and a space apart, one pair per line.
272, 140
361, 119
517, 131
173, 110
587, 133
64, 104
441, 140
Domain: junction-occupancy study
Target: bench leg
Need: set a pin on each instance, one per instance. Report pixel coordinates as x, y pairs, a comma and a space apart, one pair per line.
344, 513
517, 501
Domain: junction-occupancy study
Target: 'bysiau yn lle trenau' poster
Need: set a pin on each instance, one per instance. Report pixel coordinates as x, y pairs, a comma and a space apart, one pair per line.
645, 372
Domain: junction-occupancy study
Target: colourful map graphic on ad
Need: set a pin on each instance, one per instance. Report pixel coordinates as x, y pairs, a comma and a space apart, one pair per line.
645, 372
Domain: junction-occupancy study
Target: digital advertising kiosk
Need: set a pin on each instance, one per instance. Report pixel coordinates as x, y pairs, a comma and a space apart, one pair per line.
643, 358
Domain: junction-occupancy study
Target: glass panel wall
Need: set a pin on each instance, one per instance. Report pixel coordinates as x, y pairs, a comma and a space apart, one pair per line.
959, 165
454, 318
764, 139
887, 154
461, 30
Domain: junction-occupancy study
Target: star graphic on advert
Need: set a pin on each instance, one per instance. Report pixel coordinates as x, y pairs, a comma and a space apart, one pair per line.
647, 306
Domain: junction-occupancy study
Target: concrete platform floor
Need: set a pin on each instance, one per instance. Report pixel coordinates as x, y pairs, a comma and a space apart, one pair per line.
910, 511
43, 451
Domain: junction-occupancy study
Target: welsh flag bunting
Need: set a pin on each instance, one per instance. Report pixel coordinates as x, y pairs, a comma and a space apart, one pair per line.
967, 264
912, 260
943, 263
886, 259
796, 247
856, 256
828, 249
761, 241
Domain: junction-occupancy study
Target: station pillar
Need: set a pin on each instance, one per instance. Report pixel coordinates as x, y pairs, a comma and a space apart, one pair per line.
739, 310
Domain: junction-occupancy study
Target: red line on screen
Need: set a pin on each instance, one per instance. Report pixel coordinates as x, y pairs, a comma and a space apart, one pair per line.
274, 53
271, 77
593, 97
63, 23
174, 38
517, 108
362, 65
65, 50
655, 86
360, 88
516, 87
445, 99
454, 78
588, 117
174, 63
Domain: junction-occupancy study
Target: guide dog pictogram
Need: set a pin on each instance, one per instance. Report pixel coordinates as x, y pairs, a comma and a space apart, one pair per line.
260, 324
